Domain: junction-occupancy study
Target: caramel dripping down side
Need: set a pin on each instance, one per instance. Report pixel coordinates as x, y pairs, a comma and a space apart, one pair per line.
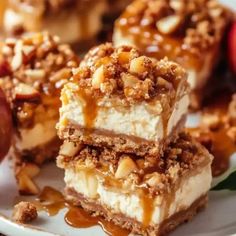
90, 109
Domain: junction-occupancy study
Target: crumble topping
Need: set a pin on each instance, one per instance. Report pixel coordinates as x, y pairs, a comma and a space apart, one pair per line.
32, 71
125, 72
155, 173
199, 22
24, 212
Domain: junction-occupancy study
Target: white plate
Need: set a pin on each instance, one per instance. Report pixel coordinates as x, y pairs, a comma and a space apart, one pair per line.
217, 220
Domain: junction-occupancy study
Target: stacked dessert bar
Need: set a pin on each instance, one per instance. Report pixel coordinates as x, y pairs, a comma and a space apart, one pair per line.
32, 71
188, 32
125, 154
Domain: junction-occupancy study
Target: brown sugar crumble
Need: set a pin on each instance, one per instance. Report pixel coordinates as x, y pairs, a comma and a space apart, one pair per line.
33, 69
24, 212
158, 174
125, 72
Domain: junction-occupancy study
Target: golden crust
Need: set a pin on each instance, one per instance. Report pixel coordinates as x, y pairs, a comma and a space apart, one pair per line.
124, 71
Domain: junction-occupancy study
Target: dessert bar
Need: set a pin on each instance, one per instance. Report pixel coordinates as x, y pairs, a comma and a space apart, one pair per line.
146, 196
123, 100
32, 71
187, 32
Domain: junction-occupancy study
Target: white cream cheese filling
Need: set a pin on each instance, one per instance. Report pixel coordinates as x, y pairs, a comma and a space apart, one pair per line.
40, 134
130, 204
139, 120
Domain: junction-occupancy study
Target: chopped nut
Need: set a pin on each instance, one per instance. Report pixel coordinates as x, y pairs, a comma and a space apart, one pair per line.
98, 77
69, 148
26, 185
35, 74
24, 212
125, 167
64, 73
137, 65
129, 80
153, 179
26, 92
17, 61
177, 5
164, 83
168, 24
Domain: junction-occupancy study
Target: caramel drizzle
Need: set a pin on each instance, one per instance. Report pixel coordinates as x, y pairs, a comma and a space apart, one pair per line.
148, 208
51, 201
78, 218
90, 108
157, 45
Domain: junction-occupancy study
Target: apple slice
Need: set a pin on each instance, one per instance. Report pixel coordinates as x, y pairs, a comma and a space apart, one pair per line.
5, 126
232, 47
24, 92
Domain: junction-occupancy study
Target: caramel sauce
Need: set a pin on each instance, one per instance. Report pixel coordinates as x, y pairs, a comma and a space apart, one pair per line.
217, 140
155, 44
147, 204
51, 201
78, 218
90, 108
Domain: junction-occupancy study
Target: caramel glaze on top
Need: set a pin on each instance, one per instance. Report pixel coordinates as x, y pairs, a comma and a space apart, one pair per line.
194, 27
123, 76
147, 177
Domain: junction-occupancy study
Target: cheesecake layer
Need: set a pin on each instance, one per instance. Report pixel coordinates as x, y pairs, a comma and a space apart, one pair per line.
135, 110
73, 24
142, 190
178, 30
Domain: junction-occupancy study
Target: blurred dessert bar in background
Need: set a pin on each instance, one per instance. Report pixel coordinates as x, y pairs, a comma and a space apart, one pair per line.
74, 21
124, 154
32, 71
125, 101
188, 32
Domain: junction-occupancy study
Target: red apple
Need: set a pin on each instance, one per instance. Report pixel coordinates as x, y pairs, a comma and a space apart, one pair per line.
232, 47
5, 126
